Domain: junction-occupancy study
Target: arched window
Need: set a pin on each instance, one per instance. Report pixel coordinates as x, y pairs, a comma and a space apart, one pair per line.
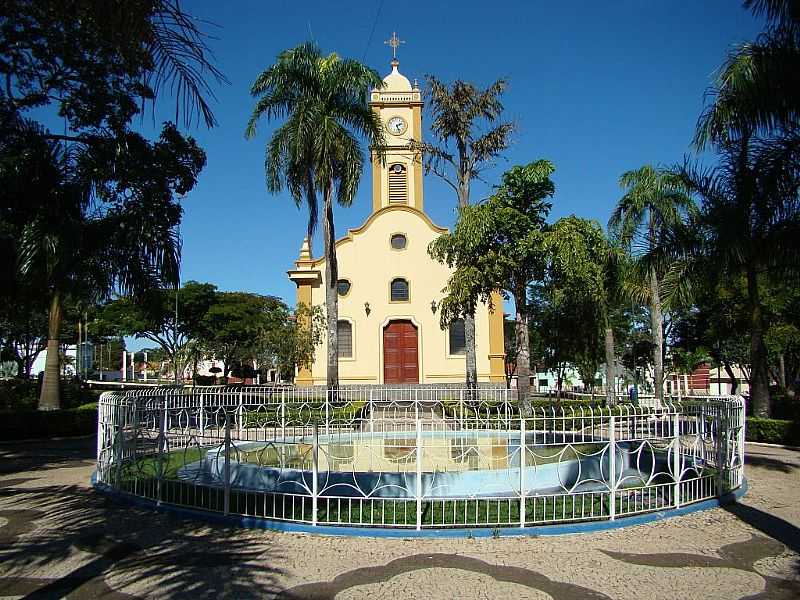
344, 330
399, 290
398, 241
398, 184
458, 338
343, 287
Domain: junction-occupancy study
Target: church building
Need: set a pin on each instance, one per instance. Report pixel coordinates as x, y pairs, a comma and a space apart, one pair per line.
389, 288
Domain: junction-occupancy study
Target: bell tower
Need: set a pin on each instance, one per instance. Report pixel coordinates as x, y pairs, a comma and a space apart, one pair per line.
399, 106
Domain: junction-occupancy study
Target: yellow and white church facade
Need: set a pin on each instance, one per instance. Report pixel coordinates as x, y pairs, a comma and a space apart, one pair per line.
389, 287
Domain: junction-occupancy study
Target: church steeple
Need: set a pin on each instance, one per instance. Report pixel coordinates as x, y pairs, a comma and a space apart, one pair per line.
399, 105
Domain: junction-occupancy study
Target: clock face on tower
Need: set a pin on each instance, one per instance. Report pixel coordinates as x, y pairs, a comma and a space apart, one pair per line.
396, 125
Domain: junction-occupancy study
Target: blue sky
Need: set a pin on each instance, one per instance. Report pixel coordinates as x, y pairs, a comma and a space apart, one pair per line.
596, 87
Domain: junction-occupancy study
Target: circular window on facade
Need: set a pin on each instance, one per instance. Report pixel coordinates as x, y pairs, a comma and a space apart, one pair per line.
343, 287
399, 241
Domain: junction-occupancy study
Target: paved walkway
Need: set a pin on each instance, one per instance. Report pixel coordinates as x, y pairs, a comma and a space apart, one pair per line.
60, 539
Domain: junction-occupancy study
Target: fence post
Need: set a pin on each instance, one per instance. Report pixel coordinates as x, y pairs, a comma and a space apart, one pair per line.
328, 393
283, 414
612, 466
523, 446
202, 416
676, 456
461, 408
135, 424
314, 474
227, 467
102, 419
240, 414
741, 424
371, 416
162, 446
419, 474
119, 450
722, 451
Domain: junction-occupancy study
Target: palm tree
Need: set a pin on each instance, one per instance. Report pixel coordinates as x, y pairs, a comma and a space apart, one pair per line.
756, 88
316, 150
748, 225
466, 123
655, 200
87, 236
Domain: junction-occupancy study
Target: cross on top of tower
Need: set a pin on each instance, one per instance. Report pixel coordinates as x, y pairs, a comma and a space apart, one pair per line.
394, 42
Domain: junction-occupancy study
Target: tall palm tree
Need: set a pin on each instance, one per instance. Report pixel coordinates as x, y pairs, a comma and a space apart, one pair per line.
748, 225
655, 200
316, 150
469, 135
756, 88
84, 239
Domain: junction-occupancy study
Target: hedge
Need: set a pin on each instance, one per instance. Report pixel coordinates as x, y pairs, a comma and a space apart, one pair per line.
773, 431
38, 424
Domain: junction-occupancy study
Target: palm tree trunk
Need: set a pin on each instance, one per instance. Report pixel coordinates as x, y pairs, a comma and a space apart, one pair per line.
331, 296
469, 320
759, 369
523, 353
49, 397
611, 391
657, 326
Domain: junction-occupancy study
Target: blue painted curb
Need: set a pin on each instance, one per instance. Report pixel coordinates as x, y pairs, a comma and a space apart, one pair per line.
384, 532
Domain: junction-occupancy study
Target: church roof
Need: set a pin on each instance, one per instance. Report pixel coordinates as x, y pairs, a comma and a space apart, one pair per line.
396, 81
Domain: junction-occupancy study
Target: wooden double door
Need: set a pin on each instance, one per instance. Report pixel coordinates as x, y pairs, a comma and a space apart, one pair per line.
400, 352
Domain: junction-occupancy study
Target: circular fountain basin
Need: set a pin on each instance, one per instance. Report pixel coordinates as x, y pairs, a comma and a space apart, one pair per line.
453, 464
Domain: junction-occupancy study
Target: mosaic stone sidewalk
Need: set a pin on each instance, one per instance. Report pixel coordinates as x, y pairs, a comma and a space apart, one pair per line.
58, 539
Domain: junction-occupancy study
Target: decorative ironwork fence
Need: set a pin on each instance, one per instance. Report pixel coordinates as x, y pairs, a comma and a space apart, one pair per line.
414, 457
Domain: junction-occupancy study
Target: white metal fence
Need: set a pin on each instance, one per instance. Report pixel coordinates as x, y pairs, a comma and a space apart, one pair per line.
414, 457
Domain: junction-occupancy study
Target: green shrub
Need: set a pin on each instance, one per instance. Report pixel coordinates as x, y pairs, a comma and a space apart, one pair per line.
23, 394
773, 431
18, 394
36, 424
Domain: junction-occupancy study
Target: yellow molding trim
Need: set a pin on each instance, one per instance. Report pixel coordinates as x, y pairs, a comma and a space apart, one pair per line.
351, 233
451, 375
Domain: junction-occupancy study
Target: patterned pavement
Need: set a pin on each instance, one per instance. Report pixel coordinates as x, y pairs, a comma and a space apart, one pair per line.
58, 539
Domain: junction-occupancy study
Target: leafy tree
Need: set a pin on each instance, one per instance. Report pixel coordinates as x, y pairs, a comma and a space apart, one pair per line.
655, 200
101, 215
588, 266
500, 245
293, 344
23, 324
316, 150
99, 62
462, 150
151, 316
237, 325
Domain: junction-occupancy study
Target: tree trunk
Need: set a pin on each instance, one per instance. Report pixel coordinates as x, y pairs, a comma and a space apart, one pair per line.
782, 372
611, 391
732, 376
759, 369
472, 365
49, 397
331, 296
657, 326
469, 320
523, 353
